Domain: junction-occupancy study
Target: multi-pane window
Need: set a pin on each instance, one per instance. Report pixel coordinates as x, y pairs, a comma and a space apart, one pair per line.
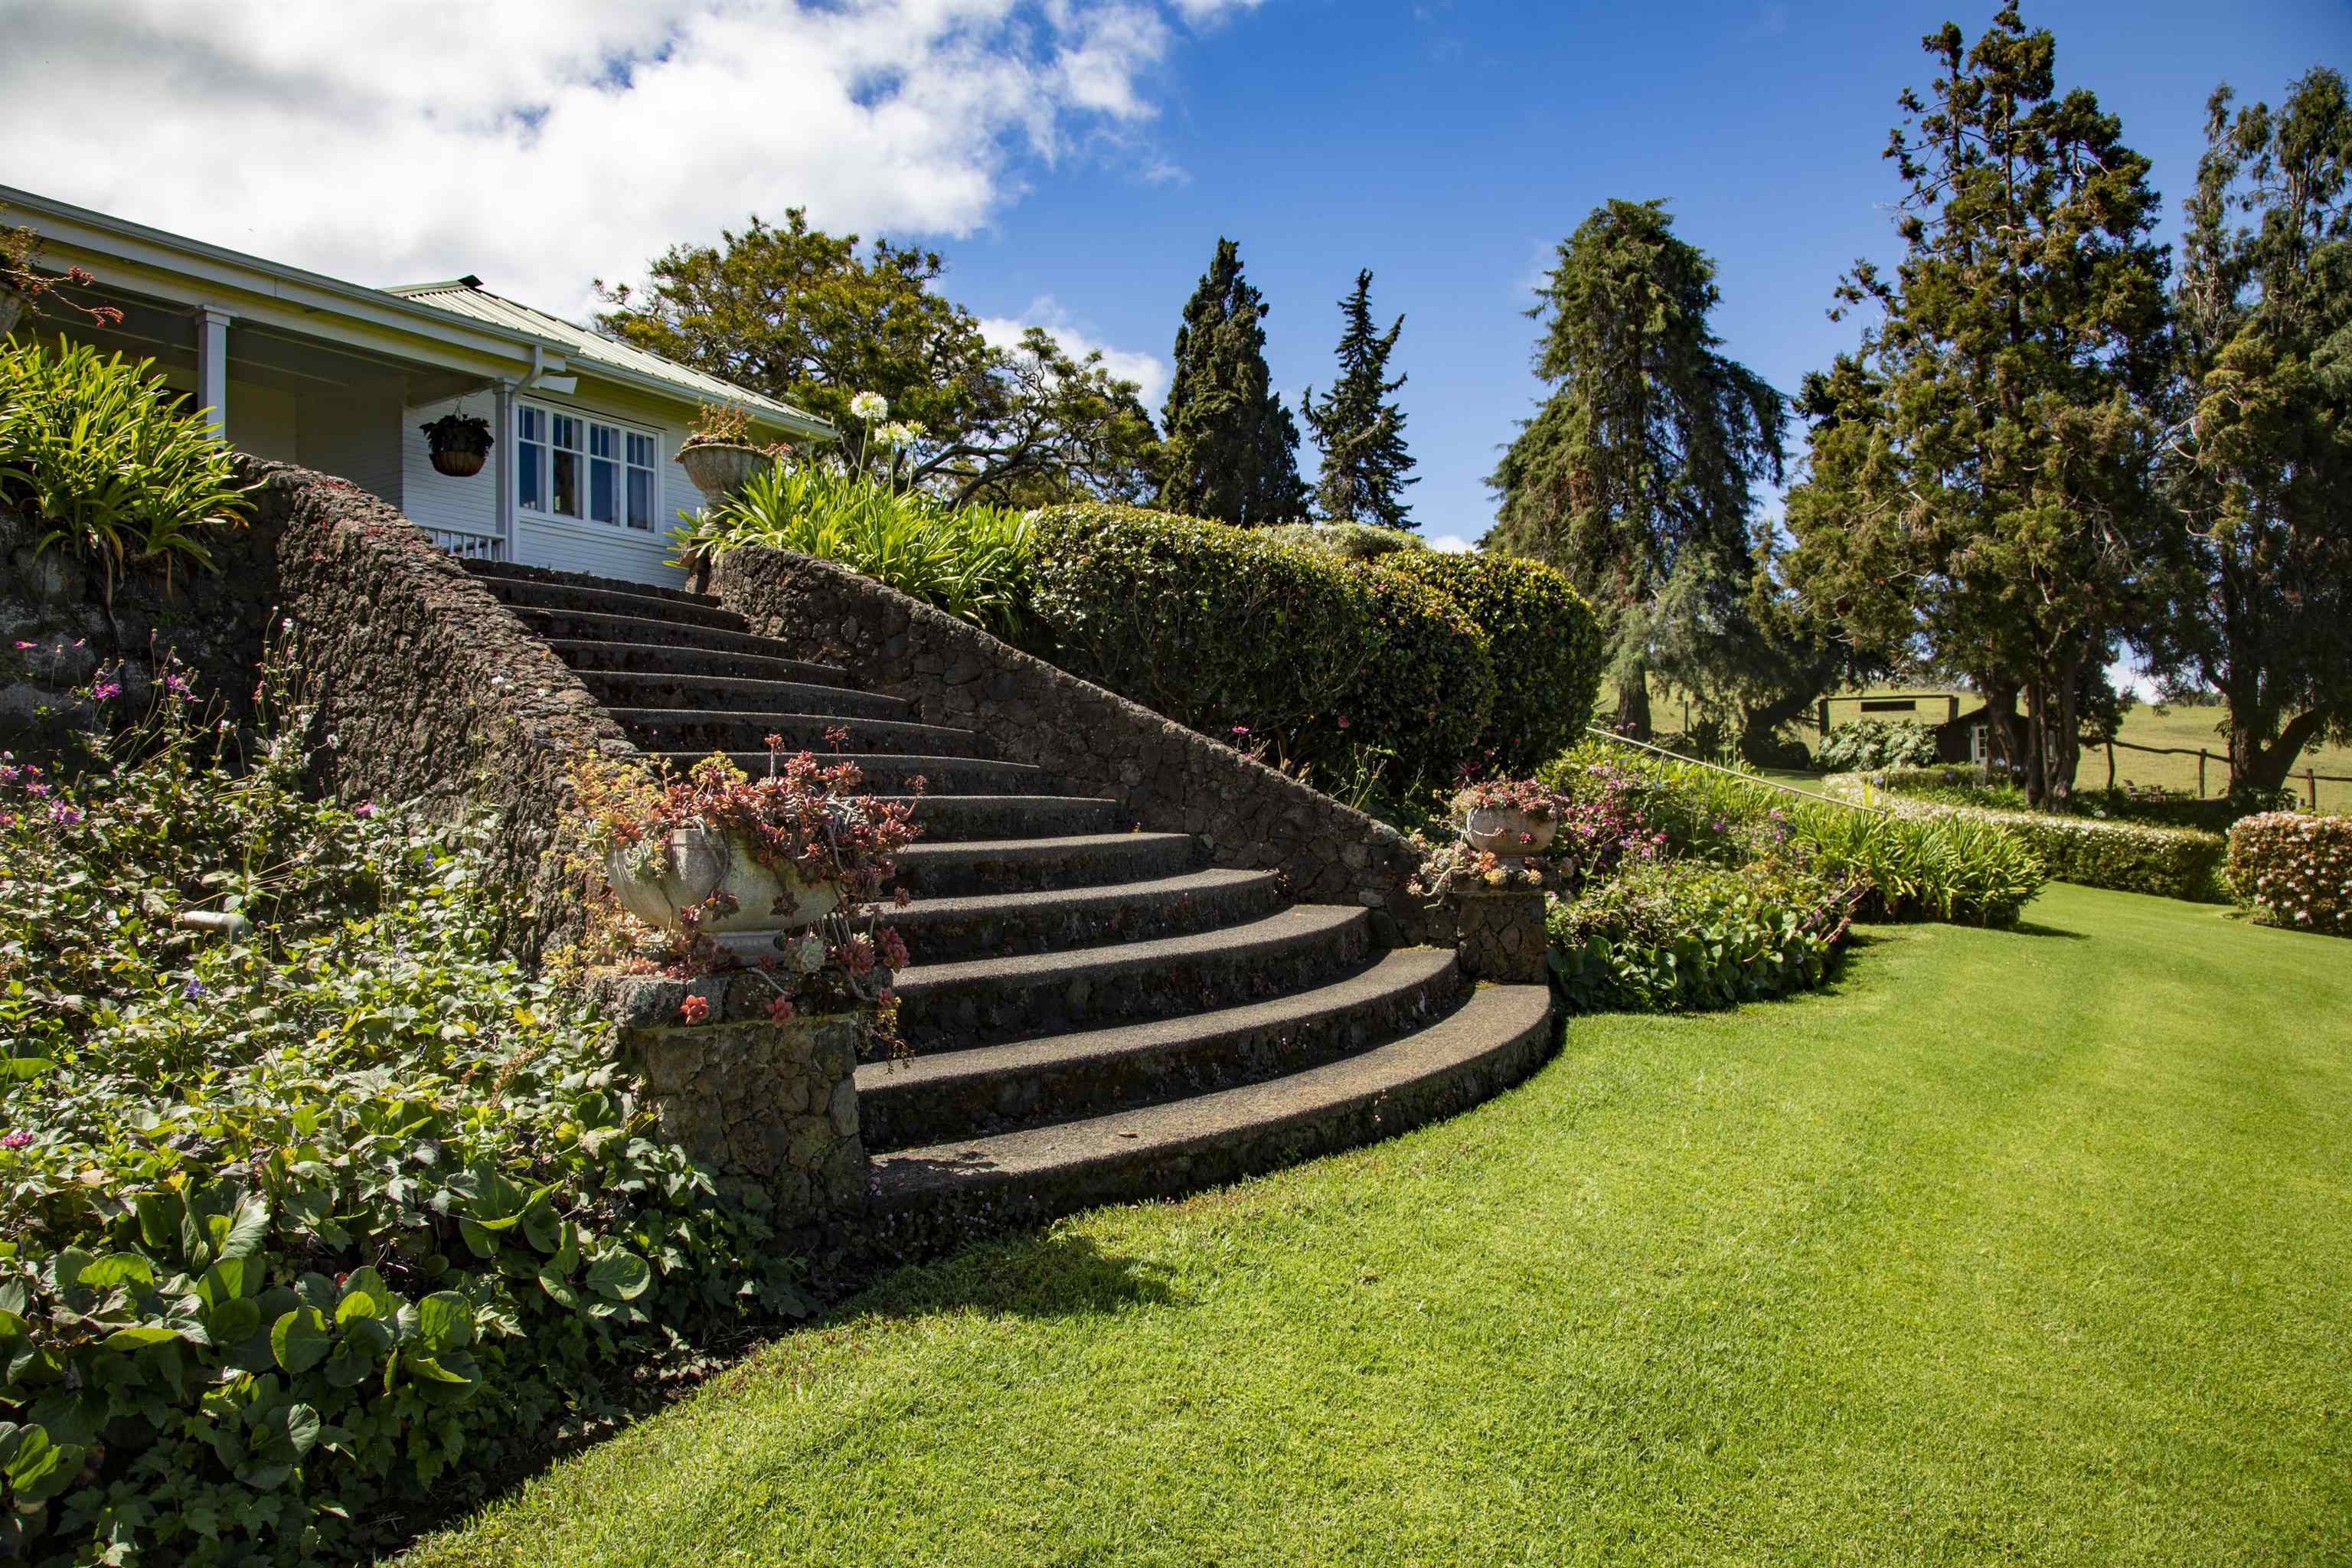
570, 465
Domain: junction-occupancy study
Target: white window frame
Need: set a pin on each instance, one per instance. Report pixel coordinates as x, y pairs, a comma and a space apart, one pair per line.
538, 463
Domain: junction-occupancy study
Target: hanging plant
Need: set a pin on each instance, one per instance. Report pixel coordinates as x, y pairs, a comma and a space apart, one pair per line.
459, 443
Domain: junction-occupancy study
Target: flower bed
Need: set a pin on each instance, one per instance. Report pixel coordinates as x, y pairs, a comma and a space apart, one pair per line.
2131, 857
314, 1207
2294, 869
1681, 935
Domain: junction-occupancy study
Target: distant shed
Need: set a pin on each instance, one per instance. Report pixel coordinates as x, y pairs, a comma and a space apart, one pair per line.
1957, 718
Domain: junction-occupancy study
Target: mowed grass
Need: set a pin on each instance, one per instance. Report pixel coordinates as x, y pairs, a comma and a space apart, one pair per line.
2023, 1247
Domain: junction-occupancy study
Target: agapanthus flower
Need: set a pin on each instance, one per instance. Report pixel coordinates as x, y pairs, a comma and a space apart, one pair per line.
870, 406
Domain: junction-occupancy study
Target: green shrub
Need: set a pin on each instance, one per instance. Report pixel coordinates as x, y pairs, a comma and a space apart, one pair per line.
1873, 744
1348, 540
2294, 869
971, 562
1546, 645
303, 1221
1948, 868
1427, 681
1958, 785
2131, 857
1672, 935
109, 466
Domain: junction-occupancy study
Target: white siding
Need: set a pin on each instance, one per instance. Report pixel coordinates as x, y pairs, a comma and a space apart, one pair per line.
265, 421
353, 434
434, 500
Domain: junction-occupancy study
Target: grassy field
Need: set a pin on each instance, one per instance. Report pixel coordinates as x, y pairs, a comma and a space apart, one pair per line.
2178, 728
2013, 1248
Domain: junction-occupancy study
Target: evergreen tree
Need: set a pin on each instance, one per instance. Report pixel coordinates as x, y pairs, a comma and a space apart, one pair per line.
2258, 454
1361, 434
1979, 497
1637, 477
1230, 448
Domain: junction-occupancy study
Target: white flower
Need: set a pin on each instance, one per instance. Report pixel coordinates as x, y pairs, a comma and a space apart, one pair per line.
870, 406
897, 434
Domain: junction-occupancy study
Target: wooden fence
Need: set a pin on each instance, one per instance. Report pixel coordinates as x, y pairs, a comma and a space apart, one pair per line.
2311, 777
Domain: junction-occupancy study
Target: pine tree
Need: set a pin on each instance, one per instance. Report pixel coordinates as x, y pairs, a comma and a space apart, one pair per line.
1361, 433
1636, 478
1231, 449
1980, 495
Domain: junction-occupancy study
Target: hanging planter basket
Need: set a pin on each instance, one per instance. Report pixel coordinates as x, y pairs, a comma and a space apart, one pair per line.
721, 469
459, 443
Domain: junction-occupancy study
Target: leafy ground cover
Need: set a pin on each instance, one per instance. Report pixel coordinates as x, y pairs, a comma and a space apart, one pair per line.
2001, 1250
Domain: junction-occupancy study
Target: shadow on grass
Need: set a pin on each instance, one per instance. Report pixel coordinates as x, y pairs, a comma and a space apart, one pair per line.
1032, 1274
2030, 928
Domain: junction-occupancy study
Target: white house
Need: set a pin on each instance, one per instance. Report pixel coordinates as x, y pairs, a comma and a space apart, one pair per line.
306, 369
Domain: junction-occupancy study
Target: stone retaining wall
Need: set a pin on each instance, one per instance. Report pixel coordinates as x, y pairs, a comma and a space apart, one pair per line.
431, 688
1166, 778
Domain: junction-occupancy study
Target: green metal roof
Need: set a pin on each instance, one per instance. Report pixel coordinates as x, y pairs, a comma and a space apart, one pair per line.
624, 361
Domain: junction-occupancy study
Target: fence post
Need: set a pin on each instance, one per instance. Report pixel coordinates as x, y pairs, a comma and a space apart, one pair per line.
2200, 773
2311, 785
2111, 767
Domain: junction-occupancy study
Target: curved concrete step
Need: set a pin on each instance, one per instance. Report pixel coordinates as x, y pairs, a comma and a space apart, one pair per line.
963, 818
951, 1006
890, 774
516, 571
692, 730
735, 694
1494, 1038
998, 925
1027, 865
629, 599
991, 1089
649, 626
585, 655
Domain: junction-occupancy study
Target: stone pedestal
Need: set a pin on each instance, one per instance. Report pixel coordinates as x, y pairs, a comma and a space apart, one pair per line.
1499, 934
767, 1105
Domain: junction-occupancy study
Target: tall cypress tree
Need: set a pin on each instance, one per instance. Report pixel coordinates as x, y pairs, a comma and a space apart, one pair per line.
1360, 432
1231, 449
1636, 478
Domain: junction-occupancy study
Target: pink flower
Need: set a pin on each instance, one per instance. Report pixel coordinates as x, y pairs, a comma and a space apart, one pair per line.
1343, 720
105, 690
695, 1009
15, 1140
779, 1008
365, 810
64, 815
21, 647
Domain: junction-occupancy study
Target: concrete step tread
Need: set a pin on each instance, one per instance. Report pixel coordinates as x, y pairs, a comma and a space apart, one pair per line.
1301, 921
736, 691
629, 599
1492, 1020
1036, 848
1398, 969
977, 906
1026, 777
655, 628
770, 666
802, 732
513, 571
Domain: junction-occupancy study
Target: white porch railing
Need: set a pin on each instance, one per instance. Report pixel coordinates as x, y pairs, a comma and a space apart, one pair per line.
469, 546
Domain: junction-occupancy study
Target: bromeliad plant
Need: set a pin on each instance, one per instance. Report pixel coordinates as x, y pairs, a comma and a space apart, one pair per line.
684, 853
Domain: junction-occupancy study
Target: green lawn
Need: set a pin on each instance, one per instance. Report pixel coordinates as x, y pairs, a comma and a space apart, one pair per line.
2028, 1248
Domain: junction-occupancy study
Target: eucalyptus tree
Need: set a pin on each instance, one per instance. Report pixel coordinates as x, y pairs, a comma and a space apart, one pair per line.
1980, 494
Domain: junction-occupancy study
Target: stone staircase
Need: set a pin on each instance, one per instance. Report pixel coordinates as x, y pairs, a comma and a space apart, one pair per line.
1096, 1013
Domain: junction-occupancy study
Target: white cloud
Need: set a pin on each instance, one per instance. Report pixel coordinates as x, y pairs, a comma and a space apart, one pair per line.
1207, 12
1451, 544
1147, 371
541, 143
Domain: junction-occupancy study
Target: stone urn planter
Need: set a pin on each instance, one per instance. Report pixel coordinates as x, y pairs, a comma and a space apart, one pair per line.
689, 864
1505, 830
721, 469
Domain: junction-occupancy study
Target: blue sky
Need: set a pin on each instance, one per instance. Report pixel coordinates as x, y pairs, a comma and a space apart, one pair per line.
1077, 159
1450, 145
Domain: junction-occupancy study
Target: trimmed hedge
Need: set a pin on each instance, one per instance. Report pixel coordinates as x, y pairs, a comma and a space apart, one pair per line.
1212, 626
1348, 540
2294, 871
2129, 857
1427, 685
1546, 644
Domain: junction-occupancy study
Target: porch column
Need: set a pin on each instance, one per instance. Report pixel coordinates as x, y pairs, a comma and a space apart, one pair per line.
212, 369
502, 468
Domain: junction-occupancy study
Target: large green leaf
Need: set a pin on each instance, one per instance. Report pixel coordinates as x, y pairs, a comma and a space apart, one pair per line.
620, 1276
299, 1340
119, 1268
445, 1321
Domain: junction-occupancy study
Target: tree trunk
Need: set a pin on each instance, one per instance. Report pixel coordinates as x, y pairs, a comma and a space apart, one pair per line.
2254, 765
1634, 706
